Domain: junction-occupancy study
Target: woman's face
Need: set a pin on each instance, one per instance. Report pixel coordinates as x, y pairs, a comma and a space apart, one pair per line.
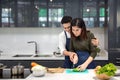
76, 31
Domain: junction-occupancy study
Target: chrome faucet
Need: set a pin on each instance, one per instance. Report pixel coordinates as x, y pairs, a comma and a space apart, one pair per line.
1, 52
36, 50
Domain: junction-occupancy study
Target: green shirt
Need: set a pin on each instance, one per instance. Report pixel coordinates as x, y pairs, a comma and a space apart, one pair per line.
84, 45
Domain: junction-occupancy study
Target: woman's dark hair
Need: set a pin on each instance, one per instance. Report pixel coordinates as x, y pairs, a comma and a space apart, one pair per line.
80, 24
66, 19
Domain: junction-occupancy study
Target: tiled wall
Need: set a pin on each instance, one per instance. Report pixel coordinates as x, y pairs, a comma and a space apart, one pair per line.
14, 40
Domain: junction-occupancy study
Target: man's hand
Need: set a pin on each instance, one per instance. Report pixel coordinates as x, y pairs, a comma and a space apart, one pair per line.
95, 42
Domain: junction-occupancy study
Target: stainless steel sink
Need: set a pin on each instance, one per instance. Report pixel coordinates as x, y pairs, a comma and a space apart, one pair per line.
21, 55
43, 55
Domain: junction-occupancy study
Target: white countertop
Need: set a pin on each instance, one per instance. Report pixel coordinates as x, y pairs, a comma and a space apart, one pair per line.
69, 76
9, 56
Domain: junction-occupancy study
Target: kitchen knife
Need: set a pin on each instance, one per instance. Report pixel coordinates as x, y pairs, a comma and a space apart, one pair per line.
73, 66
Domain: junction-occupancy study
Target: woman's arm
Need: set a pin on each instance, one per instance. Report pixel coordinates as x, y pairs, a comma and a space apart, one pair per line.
83, 66
92, 50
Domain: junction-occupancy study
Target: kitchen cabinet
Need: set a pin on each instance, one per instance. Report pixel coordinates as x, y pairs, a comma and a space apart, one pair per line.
114, 26
101, 62
47, 63
47, 13
114, 57
114, 32
26, 63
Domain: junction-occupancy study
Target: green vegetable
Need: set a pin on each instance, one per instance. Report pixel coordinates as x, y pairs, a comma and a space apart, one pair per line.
108, 69
76, 70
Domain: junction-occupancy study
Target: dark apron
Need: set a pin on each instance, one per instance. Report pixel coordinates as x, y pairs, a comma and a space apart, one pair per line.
83, 56
67, 62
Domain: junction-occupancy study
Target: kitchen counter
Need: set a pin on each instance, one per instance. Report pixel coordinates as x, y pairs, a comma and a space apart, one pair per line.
67, 76
6, 56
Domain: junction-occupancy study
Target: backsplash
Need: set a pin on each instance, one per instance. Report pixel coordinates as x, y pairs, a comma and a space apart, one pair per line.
14, 40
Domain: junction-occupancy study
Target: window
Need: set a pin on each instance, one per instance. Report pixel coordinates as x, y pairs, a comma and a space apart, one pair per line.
43, 17
94, 13
6, 17
48, 13
55, 16
89, 13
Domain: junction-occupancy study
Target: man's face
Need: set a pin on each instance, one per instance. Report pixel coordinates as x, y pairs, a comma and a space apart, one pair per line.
66, 27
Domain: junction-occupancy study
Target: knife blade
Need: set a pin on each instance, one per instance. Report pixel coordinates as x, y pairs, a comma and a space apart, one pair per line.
74, 61
73, 65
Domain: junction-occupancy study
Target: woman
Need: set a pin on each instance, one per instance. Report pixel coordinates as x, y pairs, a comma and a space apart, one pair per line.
81, 45
64, 41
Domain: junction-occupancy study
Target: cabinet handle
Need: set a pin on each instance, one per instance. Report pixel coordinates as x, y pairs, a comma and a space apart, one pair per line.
118, 62
117, 58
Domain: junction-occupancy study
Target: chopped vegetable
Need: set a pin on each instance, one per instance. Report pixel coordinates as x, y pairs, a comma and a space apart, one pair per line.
108, 69
34, 64
76, 70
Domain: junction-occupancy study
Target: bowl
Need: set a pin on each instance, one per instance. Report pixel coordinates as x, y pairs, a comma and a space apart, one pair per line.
39, 72
103, 76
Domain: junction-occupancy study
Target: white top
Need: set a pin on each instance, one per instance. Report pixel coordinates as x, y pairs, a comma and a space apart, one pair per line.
62, 41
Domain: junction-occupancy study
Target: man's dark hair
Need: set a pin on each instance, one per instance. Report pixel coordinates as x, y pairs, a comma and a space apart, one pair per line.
66, 19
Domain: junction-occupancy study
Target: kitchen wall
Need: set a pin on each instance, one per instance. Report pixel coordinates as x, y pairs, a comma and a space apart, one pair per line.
14, 40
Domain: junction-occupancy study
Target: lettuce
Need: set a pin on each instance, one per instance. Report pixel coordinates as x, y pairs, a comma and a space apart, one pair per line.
108, 69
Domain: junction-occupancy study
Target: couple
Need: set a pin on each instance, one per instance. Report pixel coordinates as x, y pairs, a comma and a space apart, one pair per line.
77, 44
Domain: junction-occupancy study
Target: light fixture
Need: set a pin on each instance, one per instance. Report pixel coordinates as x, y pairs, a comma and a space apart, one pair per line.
36, 7
88, 10
51, 0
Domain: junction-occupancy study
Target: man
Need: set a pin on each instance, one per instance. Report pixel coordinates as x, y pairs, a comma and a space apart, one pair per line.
64, 43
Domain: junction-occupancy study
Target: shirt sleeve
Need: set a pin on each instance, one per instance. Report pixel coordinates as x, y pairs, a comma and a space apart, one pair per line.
62, 42
93, 51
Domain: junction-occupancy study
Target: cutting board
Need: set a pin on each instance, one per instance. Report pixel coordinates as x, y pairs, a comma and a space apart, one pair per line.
69, 71
55, 70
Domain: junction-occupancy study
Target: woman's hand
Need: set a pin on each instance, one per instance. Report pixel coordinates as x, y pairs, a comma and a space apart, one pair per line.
82, 67
95, 42
73, 57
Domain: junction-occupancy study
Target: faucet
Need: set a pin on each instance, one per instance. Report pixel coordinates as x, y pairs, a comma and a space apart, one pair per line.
1, 52
36, 50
